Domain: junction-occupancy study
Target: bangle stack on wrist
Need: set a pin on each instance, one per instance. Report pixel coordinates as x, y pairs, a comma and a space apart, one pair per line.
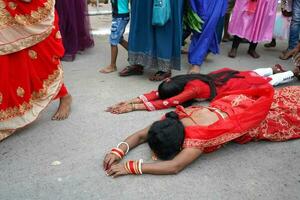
132, 106
134, 167
119, 152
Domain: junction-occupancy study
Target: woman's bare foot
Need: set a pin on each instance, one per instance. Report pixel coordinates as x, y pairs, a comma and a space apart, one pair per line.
108, 69
64, 108
278, 69
195, 69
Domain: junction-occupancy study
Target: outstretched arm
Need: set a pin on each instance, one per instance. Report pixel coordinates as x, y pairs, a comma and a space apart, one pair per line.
174, 166
133, 104
186, 95
127, 107
123, 103
134, 140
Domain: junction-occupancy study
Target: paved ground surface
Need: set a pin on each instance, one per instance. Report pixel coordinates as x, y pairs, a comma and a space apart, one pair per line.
259, 170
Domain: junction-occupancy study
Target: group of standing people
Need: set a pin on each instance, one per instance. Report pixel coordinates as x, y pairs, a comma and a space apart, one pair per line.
159, 46
74, 26
149, 45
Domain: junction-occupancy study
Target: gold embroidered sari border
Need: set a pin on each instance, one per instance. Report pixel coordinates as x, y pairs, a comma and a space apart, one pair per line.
26, 106
28, 19
202, 144
24, 43
5, 134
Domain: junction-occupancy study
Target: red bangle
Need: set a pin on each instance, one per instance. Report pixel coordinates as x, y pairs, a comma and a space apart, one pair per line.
134, 167
131, 166
118, 152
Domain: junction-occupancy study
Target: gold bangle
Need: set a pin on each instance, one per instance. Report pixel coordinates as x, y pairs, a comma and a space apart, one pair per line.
119, 156
126, 168
132, 106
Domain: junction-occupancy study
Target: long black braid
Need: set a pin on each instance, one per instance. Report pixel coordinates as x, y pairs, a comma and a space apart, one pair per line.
176, 84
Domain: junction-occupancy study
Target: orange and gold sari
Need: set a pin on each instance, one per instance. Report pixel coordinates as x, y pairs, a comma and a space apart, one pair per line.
30, 69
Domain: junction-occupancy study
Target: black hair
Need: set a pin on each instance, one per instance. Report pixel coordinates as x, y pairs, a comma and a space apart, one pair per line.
175, 85
166, 137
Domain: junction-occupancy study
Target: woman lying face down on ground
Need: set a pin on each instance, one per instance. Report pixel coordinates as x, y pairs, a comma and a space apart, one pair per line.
182, 136
183, 89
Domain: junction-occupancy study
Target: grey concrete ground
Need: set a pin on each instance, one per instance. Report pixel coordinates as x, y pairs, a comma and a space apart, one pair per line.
259, 170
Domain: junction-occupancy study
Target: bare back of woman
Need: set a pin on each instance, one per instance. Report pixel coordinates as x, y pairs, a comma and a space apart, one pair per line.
201, 116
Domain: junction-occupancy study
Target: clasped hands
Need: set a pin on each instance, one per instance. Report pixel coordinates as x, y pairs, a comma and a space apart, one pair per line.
112, 167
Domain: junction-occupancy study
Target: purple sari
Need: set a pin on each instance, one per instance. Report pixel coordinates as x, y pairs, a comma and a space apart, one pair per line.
74, 26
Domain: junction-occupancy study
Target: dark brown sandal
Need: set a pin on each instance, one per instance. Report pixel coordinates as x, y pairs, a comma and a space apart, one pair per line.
160, 76
132, 70
286, 55
270, 44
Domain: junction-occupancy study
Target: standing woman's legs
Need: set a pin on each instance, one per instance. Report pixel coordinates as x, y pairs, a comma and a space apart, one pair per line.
206, 41
226, 36
230, 5
235, 45
251, 50
295, 25
294, 31
167, 41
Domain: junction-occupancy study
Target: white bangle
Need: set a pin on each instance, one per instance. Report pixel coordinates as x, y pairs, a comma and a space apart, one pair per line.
127, 145
140, 166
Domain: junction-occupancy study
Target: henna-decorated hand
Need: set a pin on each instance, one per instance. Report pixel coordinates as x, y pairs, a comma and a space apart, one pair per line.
111, 108
123, 109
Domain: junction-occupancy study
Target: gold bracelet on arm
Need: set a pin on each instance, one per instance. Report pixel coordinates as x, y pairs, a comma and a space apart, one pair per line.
132, 106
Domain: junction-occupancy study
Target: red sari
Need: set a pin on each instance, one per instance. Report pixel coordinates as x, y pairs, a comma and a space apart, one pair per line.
197, 89
255, 114
30, 51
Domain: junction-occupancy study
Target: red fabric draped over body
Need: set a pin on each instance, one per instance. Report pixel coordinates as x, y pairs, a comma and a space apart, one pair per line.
254, 114
32, 77
197, 89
